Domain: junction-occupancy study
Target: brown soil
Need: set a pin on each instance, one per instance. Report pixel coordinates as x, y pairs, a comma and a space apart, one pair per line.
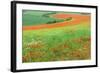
76, 19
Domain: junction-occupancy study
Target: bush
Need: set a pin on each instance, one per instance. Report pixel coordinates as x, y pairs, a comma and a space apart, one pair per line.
68, 19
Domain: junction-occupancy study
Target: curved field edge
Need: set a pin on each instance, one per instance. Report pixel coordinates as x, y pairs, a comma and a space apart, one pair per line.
36, 17
56, 44
73, 20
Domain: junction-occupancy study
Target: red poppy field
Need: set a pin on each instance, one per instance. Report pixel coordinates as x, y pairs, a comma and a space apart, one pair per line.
55, 36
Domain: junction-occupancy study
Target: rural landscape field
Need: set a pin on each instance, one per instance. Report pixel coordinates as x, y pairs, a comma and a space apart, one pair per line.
55, 36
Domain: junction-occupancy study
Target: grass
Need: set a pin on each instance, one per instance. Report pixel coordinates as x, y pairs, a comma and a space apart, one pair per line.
56, 44
36, 17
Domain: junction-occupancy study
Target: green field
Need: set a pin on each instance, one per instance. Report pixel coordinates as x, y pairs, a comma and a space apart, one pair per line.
66, 43
55, 44
36, 17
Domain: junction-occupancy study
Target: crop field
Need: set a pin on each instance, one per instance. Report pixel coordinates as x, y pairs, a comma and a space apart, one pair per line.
55, 36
